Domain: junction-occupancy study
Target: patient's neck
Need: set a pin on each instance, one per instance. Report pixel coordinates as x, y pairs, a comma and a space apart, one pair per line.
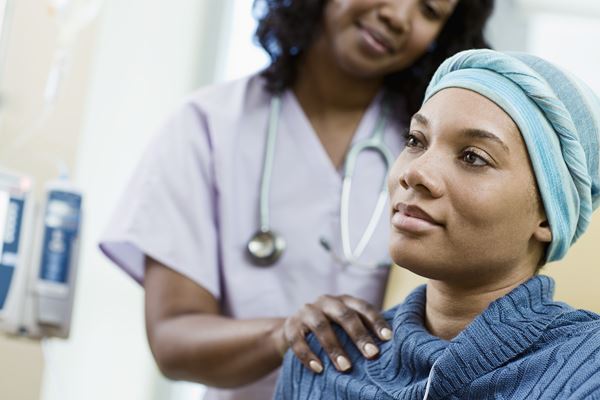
450, 308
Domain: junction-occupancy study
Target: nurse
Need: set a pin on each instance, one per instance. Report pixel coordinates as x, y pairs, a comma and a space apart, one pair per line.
266, 153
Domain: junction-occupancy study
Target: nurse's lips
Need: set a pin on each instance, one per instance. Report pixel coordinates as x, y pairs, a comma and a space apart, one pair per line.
412, 219
377, 40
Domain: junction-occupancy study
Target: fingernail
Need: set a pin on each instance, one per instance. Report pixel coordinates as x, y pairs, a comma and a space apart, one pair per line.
315, 366
386, 334
370, 349
343, 363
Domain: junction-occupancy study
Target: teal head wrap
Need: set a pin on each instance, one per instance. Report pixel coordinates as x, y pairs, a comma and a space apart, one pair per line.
559, 119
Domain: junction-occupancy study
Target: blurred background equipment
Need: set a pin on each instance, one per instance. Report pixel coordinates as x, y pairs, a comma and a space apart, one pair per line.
38, 257
40, 242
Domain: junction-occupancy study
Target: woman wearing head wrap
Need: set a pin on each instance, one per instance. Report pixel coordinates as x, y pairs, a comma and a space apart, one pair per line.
500, 175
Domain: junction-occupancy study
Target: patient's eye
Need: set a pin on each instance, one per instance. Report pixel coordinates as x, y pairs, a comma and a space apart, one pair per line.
413, 141
473, 159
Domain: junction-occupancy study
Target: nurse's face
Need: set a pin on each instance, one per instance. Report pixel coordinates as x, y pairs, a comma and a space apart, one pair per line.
372, 38
464, 203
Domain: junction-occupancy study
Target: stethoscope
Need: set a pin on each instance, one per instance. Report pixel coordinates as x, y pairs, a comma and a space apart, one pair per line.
266, 246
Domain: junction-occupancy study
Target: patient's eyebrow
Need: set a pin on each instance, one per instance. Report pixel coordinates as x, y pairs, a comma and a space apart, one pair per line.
421, 119
474, 133
483, 134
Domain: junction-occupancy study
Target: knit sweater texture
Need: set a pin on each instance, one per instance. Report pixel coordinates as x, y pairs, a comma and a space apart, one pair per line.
524, 345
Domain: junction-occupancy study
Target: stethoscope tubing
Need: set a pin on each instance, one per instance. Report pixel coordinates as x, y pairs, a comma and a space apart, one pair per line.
376, 143
265, 183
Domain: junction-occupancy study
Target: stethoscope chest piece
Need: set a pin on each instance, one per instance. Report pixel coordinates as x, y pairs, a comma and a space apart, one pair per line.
265, 247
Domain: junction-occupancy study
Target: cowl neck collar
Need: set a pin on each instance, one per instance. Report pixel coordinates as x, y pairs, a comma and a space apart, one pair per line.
508, 327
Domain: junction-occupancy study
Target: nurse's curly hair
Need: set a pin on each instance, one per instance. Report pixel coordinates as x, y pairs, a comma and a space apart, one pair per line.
287, 27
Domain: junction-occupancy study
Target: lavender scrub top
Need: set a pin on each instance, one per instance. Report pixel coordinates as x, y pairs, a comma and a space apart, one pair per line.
192, 204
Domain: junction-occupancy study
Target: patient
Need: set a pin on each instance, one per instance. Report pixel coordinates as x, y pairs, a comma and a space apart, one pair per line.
499, 176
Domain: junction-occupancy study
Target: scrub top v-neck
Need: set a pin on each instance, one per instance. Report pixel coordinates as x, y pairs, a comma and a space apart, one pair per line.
192, 204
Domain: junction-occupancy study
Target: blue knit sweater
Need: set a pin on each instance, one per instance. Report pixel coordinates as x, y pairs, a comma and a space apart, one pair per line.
523, 346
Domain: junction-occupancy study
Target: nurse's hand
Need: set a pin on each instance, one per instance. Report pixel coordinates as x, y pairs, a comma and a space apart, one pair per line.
358, 318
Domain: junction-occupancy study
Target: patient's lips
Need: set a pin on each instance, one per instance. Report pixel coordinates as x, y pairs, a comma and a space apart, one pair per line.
413, 219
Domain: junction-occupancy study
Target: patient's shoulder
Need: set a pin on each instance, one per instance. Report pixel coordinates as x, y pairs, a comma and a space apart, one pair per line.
573, 336
574, 323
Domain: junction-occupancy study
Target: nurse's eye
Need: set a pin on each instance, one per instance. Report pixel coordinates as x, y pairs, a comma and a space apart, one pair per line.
429, 11
473, 159
413, 141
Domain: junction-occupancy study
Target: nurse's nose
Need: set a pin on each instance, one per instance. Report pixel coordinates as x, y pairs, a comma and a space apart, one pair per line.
398, 15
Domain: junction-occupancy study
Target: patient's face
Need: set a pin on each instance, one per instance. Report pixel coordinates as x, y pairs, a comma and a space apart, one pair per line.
463, 197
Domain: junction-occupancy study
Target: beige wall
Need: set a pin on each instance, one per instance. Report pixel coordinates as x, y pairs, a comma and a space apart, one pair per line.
20, 369
32, 34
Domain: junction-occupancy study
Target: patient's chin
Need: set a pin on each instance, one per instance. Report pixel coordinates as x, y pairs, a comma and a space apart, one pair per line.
410, 253
417, 263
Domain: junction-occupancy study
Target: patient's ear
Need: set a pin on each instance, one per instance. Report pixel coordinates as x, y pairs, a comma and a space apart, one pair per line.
543, 233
